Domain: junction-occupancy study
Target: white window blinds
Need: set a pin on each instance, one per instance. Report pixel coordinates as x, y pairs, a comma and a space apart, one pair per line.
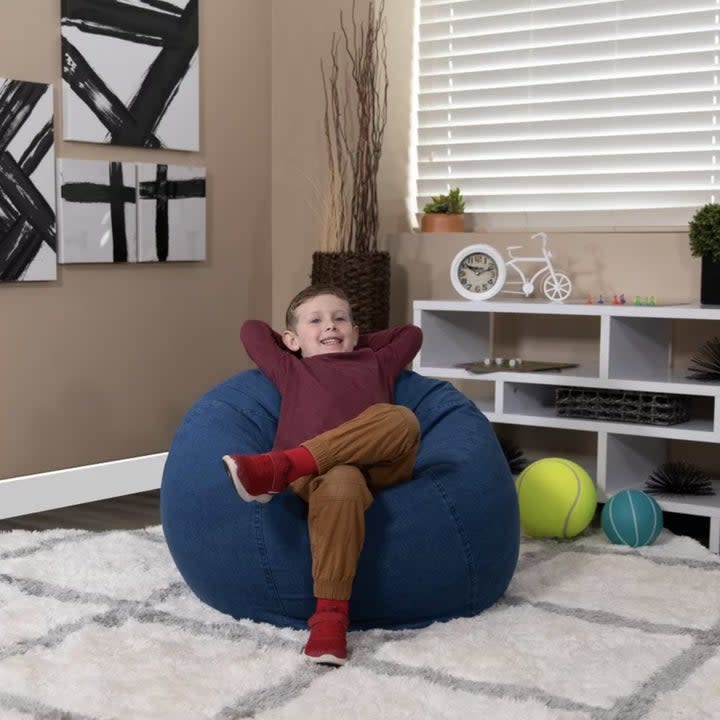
584, 113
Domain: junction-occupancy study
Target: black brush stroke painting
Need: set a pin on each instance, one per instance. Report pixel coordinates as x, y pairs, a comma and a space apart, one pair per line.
156, 23
27, 220
164, 190
116, 194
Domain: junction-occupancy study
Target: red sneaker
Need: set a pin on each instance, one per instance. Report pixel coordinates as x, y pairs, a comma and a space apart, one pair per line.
327, 644
258, 477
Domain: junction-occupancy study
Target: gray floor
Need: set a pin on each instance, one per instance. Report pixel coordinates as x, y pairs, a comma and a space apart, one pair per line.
122, 513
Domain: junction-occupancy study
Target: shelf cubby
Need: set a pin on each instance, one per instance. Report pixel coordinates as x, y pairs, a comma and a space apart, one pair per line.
617, 347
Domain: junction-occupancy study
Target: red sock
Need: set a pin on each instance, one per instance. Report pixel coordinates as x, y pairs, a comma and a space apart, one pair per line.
301, 462
323, 604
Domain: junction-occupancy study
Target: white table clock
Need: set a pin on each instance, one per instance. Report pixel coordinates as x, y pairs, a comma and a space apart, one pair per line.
478, 272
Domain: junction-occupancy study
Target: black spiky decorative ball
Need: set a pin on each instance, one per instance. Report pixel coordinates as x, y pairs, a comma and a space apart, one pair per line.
514, 455
679, 478
705, 363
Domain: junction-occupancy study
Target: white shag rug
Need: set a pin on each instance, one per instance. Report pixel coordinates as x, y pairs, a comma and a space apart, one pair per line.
100, 625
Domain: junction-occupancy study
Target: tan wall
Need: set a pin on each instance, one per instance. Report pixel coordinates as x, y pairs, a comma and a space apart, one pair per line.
299, 154
103, 363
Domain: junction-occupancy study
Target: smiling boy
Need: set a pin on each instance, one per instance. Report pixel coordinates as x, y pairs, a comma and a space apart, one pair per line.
339, 439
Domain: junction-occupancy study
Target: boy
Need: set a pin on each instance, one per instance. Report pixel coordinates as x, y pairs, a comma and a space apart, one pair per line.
339, 437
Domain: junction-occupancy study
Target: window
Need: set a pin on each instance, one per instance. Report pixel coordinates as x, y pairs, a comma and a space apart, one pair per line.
578, 113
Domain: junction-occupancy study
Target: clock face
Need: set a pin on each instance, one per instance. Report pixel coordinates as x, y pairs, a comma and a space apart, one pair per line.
478, 272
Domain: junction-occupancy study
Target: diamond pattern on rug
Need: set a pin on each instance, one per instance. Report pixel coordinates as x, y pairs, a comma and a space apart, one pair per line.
113, 564
698, 698
676, 546
355, 693
101, 625
193, 676
553, 653
18, 540
25, 618
187, 607
629, 586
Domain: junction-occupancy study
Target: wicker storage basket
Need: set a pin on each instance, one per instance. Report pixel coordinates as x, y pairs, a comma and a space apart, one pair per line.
365, 277
621, 406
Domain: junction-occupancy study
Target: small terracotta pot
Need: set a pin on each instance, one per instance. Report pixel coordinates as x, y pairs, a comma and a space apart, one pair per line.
442, 222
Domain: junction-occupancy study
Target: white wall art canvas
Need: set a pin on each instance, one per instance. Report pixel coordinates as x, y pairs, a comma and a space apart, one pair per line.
97, 211
28, 249
130, 72
171, 213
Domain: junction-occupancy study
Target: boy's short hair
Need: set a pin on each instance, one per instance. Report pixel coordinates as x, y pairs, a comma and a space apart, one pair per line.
307, 294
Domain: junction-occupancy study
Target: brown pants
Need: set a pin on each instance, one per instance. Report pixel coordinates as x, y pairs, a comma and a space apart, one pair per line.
371, 452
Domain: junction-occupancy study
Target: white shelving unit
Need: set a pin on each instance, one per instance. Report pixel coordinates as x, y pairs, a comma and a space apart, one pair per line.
635, 354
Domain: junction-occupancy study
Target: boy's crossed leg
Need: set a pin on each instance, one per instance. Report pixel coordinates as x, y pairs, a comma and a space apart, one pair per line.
382, 440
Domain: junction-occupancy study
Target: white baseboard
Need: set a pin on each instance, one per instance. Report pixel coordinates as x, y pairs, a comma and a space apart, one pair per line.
74, 486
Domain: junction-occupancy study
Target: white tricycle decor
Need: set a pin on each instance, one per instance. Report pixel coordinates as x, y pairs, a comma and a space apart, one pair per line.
478, 272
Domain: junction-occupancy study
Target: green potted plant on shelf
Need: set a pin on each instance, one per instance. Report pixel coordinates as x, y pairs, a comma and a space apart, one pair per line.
444, 213
704, 235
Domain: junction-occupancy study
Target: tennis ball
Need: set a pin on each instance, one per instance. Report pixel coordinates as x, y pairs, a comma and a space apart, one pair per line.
632, 517
557, 498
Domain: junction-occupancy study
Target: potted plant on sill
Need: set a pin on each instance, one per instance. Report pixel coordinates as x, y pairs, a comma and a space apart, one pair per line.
704, 235
445, 213
355, 88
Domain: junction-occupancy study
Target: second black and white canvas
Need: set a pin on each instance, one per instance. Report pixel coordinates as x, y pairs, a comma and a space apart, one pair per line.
130, 72
171, 213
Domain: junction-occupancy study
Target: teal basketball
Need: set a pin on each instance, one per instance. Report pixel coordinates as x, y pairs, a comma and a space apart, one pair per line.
632, 517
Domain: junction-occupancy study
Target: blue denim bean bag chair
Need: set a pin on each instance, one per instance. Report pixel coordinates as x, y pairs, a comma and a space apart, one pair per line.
442, 545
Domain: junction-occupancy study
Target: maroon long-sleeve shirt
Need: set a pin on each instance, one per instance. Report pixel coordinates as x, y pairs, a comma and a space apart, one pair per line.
322, 391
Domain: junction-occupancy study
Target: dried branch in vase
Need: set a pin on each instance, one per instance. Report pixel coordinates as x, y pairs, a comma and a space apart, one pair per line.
355, 88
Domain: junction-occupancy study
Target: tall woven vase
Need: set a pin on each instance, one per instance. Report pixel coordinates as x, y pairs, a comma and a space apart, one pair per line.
365, 277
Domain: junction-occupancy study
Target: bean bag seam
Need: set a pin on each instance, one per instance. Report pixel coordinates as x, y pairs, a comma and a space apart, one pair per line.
241, 391
257, 518
458, 403
209, 402
446, 406
464, 540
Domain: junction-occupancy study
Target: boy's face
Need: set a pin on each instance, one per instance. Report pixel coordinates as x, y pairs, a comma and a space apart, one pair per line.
322, 326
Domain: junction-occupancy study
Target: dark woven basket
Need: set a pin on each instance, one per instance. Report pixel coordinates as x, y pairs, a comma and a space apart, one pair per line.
365, 277
621, 406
